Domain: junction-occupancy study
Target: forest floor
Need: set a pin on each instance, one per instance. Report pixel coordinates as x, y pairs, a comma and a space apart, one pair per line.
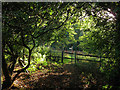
81, 76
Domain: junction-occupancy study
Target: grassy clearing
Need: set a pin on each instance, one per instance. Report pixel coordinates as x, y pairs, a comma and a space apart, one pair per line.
59, 53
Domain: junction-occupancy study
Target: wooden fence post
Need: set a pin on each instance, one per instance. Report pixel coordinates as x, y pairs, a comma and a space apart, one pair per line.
71, 54
75, 56
50, 55
62, 56
100, 60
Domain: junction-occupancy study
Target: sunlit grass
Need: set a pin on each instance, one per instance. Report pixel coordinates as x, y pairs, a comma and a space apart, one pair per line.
56, 61
89, 58
66, 61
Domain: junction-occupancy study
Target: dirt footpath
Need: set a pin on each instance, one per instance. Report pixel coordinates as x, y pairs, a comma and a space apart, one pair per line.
68, 76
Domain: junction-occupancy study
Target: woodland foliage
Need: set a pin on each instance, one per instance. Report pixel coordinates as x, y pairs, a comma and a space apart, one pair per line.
90, 27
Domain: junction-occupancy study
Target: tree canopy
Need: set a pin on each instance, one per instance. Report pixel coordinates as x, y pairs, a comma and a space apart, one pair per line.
91, 27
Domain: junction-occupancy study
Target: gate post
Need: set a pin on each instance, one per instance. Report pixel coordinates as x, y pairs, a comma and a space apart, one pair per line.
62, 56
75, 56
50, 55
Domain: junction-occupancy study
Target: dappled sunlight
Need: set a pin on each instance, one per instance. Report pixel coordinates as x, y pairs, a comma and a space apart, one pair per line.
68, 76
60, 45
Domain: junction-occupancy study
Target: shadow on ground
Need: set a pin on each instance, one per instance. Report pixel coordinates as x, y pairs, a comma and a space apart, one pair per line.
83, 76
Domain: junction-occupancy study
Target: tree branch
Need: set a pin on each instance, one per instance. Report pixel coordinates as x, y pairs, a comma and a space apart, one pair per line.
22, 70
53, 28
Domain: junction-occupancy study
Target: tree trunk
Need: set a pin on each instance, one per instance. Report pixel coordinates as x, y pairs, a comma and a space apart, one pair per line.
8, 82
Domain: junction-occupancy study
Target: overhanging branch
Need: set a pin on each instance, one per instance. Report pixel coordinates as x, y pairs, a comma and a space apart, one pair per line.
53, 28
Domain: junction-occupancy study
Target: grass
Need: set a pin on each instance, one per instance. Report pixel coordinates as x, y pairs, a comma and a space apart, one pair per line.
84, 64
66, 61
89, 58
59, 53
80, 57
